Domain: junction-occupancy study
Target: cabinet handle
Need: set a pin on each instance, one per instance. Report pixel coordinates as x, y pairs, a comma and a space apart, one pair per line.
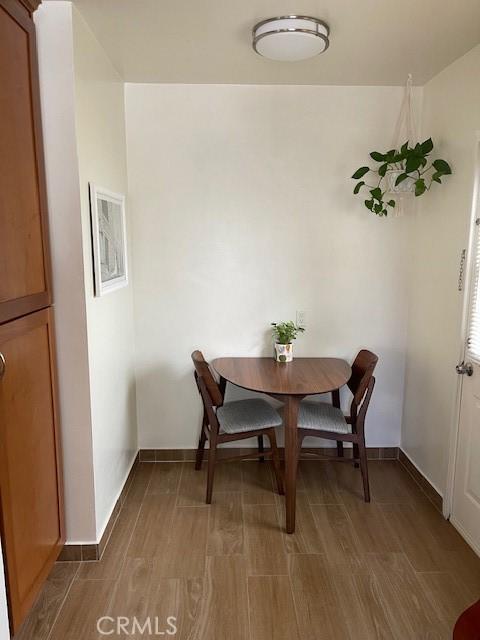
3, 365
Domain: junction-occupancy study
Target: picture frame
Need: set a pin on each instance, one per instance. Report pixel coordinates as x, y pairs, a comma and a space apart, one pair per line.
109, 240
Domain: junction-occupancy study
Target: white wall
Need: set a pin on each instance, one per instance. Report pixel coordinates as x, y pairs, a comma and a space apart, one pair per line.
55, 53
84, 129
4, 626
438, 233
243, 213
100, 122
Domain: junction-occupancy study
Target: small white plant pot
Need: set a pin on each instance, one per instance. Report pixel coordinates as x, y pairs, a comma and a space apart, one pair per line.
407, 186
283, 352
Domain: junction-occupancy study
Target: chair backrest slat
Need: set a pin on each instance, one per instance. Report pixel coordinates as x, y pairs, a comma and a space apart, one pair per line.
362, 373
203, 371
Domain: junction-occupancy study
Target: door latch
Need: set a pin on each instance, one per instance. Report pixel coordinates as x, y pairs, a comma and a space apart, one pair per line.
464, 368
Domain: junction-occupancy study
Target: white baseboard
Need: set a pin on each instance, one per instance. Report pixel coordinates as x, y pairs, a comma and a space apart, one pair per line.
420, 470
110, 512
466, 536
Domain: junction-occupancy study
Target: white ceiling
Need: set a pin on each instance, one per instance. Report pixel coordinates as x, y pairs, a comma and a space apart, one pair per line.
373, 42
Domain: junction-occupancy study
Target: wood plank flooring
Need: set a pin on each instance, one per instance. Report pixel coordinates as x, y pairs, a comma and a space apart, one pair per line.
392, 569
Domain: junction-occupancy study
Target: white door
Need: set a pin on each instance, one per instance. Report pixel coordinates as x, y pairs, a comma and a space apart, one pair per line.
466, 492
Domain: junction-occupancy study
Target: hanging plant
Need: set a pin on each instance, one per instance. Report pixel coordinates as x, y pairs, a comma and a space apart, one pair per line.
407, 170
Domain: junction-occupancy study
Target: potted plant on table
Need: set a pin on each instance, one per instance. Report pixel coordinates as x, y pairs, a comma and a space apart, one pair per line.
284, 334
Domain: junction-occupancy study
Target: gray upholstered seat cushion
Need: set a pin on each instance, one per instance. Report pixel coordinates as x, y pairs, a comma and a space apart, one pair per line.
247, 415
322, 416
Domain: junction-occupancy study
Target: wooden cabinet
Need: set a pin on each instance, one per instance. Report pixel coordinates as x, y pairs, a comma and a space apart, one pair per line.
24, 263
30, 478
31, 506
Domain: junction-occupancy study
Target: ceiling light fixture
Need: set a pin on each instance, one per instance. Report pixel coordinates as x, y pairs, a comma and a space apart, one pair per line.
290, 38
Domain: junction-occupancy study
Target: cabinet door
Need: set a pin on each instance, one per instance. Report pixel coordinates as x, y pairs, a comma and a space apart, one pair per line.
30, 474
24, 267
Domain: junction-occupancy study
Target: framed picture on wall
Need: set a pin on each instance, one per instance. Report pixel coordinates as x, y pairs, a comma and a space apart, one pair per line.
109, 240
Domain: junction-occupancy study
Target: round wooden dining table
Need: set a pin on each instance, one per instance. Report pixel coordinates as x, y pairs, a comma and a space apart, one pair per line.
288, 382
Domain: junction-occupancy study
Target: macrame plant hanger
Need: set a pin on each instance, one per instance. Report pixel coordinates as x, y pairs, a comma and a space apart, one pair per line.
405, 129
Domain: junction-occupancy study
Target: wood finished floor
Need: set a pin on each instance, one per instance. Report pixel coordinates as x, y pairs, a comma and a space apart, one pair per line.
392, 569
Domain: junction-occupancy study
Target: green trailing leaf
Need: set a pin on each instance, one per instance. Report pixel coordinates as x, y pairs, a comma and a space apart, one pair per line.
359, 173
420, 187
413, 163
358, 186
401, 178
442, 167
427, 146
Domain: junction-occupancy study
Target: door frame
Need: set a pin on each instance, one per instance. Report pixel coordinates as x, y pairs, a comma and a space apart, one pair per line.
467, 296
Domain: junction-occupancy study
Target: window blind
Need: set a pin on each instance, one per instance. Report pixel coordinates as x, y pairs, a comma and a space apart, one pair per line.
473, 342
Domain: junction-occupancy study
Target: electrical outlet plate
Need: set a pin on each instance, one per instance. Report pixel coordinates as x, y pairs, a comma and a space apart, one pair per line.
301, 319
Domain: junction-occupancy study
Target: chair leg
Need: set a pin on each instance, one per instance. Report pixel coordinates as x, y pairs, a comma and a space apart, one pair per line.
276, 461
260, 447
201, 446
356, 455
212, 454
364, 469
340, 448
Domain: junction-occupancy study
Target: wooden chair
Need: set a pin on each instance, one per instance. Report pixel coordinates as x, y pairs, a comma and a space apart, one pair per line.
230, 421
327, 421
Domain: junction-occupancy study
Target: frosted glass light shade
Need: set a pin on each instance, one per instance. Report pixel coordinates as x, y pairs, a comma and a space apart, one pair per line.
290, 38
